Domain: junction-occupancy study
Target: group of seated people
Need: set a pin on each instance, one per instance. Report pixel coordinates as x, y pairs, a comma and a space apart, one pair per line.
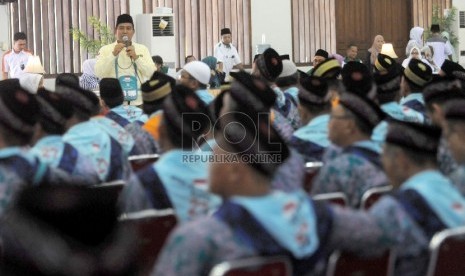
233, 167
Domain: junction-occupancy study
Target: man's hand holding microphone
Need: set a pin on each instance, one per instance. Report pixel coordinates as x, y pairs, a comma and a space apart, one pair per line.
126, 43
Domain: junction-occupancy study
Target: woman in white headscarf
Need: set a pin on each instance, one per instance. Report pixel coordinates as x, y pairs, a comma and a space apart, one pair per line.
416, 39
415, 53
31, 82
89, 80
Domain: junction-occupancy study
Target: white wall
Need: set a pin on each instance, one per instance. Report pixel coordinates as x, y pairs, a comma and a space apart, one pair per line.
273, 19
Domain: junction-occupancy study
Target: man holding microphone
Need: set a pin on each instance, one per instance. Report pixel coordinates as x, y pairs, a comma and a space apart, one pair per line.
129, 62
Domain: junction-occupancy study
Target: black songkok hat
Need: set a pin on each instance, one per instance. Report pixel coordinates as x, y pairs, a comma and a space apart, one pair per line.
270, 64
357, 78
157, 88
322, 53
84, 100
18, 108
111, 92
225, 31
53, 107
443, 90
248, 131
449, 67
418, 73
314, 90
384, 63
68, 78
252, 92
362, 107
124, 18
185, 114
328, 69
414, 136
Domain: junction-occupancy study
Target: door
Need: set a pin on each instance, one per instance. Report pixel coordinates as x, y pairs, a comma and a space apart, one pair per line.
359, 21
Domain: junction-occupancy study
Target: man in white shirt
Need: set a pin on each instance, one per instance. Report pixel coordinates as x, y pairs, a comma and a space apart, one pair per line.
14, 61
442, 50
226, 53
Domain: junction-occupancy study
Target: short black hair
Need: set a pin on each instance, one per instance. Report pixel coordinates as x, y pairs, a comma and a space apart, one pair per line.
188, 57
157, 60
351, 45
19, 36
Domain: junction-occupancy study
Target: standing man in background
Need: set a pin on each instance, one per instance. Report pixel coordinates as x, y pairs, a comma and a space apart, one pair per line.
14, 61
226, 53
129, 62
440, 47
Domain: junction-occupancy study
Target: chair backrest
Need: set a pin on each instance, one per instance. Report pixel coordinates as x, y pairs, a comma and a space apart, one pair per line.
254, 266
112, 189
153, 228
335, 198
345, 264
139, 161
311, 170
447, 252
372, 195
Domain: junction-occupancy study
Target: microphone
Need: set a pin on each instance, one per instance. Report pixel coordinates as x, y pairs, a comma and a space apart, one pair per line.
126, 41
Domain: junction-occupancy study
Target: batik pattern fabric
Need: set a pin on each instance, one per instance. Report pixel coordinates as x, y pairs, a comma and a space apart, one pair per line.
290, 175
447, 163
179, 180
416, 102
105, 153
129, 112
352, 171
117, 132
282, 125
312, 139
287, 107
144, 142
195, 247
425, 204
58, 154
398, 112
19, 168
458, 178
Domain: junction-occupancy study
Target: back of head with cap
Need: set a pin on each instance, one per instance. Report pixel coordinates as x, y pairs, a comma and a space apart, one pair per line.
442, 91
111, 92
54, 112
67, 78
387, 79
18, 113
185, 117
246, 129
415, 139
357, 79
75, 228
367, 113
328, 69
450, 69
155, 90
269, 65
314, 96
417, 74
85, 103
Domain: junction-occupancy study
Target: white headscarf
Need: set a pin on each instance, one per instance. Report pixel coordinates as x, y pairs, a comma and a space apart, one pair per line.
88, 67
415, 39
30, 82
